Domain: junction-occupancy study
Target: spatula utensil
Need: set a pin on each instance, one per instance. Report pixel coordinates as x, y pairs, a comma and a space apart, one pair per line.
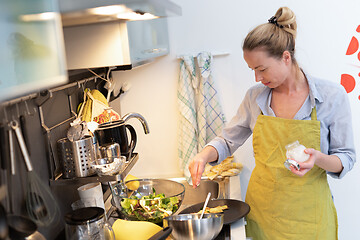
205, 204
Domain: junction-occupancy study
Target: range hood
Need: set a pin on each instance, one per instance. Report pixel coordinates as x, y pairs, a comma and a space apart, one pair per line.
80, 12
103, 33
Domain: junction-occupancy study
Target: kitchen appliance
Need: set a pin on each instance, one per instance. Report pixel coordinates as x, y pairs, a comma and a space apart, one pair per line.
116, 132
76, 157
83, 12
192, 227
112, 30
87, 223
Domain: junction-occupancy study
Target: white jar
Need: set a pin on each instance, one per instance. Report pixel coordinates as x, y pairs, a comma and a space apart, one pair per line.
295, 151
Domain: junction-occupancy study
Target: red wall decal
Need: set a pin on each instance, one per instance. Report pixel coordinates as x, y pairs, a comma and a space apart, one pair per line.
348, 81
353, 46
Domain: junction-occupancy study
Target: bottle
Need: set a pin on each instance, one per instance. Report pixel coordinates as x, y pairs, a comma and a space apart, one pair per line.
295, 151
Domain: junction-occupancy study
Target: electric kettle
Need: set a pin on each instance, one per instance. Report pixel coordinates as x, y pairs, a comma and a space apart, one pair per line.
116, 132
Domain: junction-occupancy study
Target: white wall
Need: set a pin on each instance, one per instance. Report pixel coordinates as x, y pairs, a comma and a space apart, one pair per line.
324, 32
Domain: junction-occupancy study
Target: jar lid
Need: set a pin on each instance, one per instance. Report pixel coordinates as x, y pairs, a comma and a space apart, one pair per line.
290, 162
84, 216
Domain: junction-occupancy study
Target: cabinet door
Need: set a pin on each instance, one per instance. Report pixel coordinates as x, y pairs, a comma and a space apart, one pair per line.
148, 39
31, 47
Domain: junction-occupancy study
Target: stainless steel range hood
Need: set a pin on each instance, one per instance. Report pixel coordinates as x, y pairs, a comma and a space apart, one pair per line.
101, 33
80, 12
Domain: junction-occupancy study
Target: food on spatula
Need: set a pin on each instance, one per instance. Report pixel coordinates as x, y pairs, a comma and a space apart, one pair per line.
226, 168
218, 209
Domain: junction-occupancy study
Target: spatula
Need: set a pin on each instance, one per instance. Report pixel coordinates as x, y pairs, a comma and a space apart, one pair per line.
205, 204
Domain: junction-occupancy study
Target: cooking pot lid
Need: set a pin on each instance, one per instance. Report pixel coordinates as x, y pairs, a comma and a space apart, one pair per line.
84, 216
108, 125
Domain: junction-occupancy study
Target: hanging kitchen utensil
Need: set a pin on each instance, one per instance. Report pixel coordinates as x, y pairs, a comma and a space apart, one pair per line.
20, 227
100, 112
22, 122
4, 164
38, 194
53, 173
12, 153
4, 229
12, 168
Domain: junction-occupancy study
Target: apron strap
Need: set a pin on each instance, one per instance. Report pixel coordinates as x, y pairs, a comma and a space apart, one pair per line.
313, 114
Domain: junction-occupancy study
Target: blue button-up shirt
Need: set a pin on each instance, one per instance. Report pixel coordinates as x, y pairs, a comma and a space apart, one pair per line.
333, 112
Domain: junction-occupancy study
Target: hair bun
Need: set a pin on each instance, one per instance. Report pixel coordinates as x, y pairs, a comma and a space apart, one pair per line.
285, 17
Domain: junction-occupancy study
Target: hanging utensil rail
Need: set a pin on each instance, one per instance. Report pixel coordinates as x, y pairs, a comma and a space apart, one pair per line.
52, 90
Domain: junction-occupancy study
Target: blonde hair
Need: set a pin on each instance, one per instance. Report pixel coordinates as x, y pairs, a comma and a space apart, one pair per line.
276, 36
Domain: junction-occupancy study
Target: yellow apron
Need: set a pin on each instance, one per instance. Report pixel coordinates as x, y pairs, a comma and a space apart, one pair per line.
283, 205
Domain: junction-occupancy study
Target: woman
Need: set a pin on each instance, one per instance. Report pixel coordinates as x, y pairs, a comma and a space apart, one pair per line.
289, 105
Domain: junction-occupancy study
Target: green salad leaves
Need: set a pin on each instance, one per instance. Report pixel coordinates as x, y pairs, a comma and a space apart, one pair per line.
153, 207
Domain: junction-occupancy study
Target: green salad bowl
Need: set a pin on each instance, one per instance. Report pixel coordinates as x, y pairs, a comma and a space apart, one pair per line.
147, 199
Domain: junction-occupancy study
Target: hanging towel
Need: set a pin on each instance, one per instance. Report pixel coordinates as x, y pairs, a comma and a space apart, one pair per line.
210, 117
188, 142
201, 116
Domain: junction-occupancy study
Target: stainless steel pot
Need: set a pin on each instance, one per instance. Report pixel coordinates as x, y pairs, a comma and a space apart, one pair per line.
191, 227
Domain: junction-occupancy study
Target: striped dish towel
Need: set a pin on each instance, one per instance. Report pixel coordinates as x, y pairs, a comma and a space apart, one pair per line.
210, 117
188, 142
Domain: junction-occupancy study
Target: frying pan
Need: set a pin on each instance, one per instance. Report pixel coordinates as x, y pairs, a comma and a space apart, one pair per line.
20, 227
236, 209
162, 234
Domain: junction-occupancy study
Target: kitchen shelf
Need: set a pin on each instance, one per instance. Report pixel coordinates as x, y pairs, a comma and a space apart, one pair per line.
128, 166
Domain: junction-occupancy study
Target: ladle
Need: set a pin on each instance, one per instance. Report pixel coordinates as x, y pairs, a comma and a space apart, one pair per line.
205, 204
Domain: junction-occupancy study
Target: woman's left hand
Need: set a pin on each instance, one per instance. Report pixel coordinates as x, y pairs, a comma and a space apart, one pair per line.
307, 165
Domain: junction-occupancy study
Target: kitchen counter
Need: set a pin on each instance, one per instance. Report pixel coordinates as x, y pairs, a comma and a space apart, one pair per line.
238, 227
228, 188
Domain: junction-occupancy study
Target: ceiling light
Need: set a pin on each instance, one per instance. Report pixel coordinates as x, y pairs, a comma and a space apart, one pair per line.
109, 10
133, 16
39, 17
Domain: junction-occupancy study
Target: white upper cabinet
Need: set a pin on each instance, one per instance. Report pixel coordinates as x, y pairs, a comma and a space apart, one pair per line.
32, 55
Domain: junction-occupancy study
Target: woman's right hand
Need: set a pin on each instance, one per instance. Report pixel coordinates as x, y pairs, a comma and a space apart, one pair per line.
197, 164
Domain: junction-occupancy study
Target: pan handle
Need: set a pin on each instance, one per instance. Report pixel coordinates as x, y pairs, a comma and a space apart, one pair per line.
15, 126
162, 234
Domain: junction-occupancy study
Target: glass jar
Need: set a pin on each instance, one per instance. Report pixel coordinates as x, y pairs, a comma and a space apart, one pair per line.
88, 224
295, 151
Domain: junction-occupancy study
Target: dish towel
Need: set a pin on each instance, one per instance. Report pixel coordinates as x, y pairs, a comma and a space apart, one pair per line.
188, 142
201, 116
210, 117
